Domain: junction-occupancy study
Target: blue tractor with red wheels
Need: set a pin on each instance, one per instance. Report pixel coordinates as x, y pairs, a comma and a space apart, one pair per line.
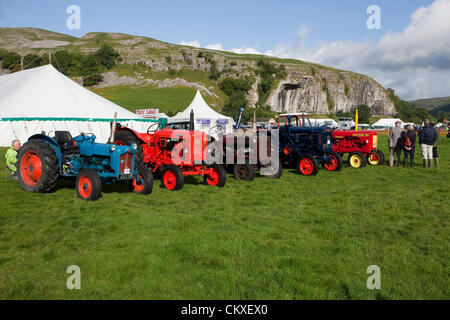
305, 146
43, 159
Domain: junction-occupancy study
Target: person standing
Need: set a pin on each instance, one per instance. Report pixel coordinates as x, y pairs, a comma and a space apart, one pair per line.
427, 138
409, 145
435, 146
11, 157
394, 145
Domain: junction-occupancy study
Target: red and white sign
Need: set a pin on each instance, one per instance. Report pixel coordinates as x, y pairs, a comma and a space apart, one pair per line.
148, 113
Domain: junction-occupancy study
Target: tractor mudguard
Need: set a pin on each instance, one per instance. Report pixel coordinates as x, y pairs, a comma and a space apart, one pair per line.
53, 144
144, 137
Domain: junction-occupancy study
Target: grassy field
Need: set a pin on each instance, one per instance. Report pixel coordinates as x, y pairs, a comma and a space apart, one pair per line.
292, 238
172, 99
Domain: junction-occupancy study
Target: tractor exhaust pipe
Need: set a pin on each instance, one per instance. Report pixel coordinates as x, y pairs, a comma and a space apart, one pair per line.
191, 121
113, 129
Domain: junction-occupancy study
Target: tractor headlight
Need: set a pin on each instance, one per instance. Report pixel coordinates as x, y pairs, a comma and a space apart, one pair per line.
113, 148
134, 145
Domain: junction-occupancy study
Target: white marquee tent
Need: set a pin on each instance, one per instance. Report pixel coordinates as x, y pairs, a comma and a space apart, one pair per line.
205, 118
386, 123
43, 99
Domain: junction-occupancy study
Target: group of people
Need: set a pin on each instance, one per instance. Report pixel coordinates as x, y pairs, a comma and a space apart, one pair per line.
405, 139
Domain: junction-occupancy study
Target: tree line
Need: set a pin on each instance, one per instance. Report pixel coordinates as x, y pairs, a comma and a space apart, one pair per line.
72, 64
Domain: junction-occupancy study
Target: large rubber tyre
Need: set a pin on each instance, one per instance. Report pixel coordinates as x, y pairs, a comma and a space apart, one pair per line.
218, 179
277, 174
244, 172
37, 167
307, 165
357, 159
172, 178
126, 138
374, 159
88, 185
143, 184
336, 162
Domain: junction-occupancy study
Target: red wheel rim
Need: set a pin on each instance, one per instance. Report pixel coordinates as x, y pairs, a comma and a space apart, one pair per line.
213, 177
306, 167
31, 168
138, 187
120, 143
333, 165
170, 180
84, 187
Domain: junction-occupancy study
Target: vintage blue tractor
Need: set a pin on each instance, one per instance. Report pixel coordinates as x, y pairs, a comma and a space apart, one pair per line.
306, 146
43, 159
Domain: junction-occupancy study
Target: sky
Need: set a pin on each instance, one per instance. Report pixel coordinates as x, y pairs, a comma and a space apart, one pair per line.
410, 51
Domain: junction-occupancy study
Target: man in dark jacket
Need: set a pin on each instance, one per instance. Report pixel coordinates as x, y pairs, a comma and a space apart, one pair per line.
427, 137
408, 140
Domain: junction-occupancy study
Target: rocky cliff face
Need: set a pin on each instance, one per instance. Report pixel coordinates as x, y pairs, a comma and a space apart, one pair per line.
306, 88
309, 94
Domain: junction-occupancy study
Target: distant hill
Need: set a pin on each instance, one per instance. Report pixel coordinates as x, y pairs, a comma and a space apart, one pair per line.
433, 105
152, 65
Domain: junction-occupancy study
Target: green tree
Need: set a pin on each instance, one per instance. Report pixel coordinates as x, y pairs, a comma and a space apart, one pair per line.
31, 61
106, 56
363, 114
11, 60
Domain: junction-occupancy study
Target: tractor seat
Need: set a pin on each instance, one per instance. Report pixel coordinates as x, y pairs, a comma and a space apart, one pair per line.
65, 141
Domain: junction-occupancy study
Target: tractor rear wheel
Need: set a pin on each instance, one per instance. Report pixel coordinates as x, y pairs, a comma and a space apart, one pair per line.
245, 172
143, 183
126, 138
357, 159
37, 167
277, 174
335, 164
172, 178
307, 165
217, 178
88, 185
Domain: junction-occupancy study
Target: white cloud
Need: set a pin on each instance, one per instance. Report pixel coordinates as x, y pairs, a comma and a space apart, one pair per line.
194, 43
245, 50
415, 61
215, 46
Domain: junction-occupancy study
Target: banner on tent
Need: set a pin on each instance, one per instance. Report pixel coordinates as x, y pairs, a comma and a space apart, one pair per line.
148, 113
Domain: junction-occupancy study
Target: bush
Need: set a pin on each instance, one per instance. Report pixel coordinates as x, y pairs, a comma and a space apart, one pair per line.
405, 111
11, 60
31, 61
92, 80
106, 56
363, 114
232, 85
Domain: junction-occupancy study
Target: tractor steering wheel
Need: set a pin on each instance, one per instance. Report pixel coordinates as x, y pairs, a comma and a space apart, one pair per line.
152, 128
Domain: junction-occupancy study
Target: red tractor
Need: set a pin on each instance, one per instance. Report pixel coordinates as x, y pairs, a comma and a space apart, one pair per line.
173, 154
360, 145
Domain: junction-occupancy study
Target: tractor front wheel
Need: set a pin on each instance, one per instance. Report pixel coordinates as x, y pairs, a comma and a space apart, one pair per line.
376, 158
307, 165
217, 177
88, 184
335, 164
245, 172
357, 160
37, 167
172, 178
143, 183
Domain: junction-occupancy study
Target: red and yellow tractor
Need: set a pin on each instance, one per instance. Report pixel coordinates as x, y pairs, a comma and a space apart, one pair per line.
360, 145
173, 154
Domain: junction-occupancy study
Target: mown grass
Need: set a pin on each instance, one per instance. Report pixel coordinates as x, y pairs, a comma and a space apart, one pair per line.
292, 238
173, 99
